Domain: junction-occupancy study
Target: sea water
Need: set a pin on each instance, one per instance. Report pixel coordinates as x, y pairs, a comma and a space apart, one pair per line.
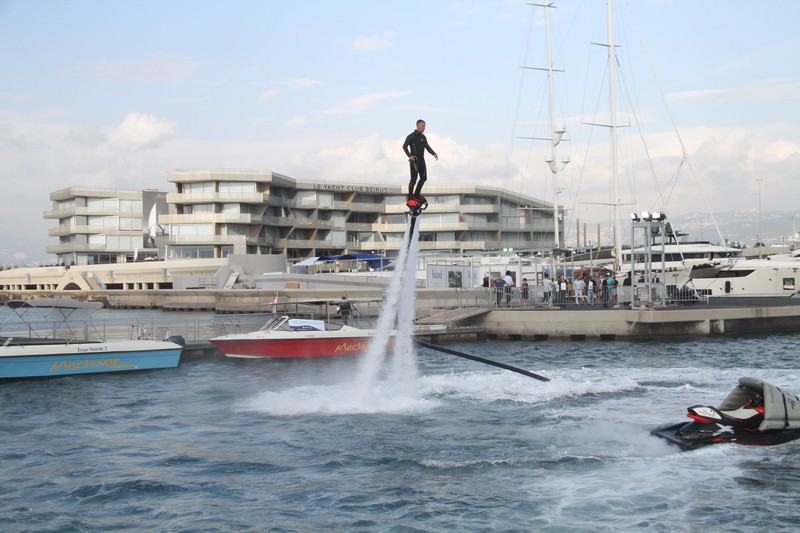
231, 444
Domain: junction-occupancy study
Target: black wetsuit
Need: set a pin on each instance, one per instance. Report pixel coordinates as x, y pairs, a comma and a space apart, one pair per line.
416, 144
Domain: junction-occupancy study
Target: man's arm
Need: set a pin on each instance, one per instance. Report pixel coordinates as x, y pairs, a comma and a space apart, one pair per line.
430, 150
406, 145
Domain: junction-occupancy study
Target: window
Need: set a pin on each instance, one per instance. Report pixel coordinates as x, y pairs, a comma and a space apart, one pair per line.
325, 199
478, 200
306, 198
338, 238
444, 218
130, 206
445, 200
362, 198
123, 242
302, 215
103, 222
192, 230
102, 203
130, 224
479, 219
190, 252
393, 219
203, 186
237, 187
198, 208
235, 229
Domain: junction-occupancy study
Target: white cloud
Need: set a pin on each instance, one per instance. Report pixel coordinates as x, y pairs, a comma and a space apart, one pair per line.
142, 130
370, 44
298, 120
304, 83
157, 67
365, 102
755, 91
267, 96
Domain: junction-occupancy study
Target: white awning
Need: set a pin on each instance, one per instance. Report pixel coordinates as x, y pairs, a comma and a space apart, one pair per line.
307, 262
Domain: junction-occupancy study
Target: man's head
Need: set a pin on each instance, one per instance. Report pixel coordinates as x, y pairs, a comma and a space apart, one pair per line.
420, 125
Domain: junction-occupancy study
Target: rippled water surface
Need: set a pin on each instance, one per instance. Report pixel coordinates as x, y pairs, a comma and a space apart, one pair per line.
237, 445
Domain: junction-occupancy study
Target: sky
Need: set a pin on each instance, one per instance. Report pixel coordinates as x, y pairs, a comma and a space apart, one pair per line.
117, 94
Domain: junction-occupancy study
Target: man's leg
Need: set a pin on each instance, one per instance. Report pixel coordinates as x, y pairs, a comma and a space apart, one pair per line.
423, 177
412, 166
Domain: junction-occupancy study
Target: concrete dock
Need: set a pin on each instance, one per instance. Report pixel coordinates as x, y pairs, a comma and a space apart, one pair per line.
647, 323
472, 313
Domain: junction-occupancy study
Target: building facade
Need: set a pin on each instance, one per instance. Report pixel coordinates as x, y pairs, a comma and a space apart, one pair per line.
98, 226
215, 213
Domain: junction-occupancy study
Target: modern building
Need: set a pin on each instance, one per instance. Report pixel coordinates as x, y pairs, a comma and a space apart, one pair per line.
100, 226
215, 213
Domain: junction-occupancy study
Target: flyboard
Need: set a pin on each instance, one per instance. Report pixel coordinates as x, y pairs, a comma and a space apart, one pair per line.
416, 205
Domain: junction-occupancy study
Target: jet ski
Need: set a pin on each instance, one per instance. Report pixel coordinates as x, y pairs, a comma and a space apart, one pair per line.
754, 413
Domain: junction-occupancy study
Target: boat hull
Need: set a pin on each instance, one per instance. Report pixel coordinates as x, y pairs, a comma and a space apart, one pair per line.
48, 360
240, 346
686, 436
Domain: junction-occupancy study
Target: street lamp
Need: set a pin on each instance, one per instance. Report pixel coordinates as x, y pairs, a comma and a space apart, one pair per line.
758, 233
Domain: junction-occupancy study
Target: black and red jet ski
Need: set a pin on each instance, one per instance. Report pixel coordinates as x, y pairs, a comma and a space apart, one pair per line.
754, 413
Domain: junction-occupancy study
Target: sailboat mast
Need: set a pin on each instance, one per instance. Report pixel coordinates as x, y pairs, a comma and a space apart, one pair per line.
554, 144
613, 111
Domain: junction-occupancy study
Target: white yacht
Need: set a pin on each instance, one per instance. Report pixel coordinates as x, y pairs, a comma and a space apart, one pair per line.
748, 278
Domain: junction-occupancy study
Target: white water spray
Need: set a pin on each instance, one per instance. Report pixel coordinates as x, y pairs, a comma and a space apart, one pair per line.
394, 372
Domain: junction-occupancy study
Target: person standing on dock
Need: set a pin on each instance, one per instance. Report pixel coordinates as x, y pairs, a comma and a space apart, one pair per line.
499, 285
415, 146
562, 291
590, 290
579, 286
509, 283
547, 288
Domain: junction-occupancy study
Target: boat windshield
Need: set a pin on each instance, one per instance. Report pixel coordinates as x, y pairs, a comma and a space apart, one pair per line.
275, 323
284, 323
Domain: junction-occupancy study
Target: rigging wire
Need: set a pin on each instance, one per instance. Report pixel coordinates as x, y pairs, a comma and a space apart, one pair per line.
684, 152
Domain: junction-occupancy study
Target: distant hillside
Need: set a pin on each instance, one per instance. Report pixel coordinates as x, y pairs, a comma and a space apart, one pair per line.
736, 226
740, 226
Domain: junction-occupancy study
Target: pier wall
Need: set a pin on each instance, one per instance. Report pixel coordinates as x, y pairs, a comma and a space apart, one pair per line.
607, 324
455, 308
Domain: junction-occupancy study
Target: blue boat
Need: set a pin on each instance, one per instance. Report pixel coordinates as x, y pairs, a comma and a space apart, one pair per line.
35, 350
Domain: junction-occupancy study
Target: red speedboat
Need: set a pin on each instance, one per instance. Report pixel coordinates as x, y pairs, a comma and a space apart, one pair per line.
293, 337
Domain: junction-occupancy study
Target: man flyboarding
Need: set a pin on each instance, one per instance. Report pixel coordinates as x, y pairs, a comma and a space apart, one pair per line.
415, 146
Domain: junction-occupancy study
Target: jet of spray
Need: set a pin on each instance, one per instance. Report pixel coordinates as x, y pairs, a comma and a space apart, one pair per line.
394, 373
